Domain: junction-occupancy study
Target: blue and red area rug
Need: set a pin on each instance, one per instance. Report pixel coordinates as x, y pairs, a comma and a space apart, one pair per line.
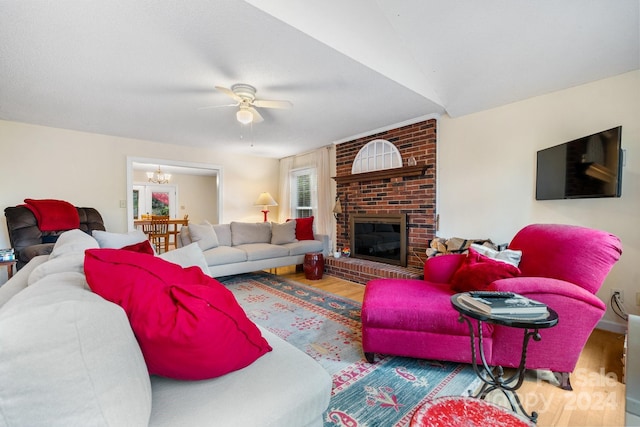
327, 328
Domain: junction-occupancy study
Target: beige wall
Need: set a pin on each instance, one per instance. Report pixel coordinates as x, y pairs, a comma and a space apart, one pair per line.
90, 170
486, 172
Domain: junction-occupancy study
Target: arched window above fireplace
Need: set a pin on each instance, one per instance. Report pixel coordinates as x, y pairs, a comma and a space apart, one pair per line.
378, 154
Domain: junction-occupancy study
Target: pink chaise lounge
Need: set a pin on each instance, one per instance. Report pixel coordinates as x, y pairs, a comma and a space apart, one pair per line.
562, 266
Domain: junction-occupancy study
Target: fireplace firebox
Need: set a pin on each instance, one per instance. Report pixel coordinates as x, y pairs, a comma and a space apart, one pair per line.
379, 237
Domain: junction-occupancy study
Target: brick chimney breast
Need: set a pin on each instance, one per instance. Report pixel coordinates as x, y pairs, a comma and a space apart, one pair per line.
413, 194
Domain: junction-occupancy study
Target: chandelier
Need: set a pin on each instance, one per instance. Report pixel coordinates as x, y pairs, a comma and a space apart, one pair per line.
158, 177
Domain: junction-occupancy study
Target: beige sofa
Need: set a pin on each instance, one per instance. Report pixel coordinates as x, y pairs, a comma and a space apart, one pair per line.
69, 357
241, 247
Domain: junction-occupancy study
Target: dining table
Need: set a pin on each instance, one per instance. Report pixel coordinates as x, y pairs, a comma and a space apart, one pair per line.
174, 227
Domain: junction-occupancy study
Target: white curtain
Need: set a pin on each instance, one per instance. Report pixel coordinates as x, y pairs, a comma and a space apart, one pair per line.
284, 192
318, 159
324, 223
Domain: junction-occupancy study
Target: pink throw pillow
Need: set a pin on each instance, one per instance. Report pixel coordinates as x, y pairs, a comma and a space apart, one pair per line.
477, 272
304, 228
189, 326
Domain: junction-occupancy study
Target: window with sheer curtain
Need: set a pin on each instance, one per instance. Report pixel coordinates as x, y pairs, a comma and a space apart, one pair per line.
303, 192
310, 170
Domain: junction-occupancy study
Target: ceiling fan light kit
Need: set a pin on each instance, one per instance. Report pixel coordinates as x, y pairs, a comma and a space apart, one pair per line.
244, 116
245, 96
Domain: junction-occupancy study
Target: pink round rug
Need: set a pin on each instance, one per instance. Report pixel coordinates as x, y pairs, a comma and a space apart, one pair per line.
463, 411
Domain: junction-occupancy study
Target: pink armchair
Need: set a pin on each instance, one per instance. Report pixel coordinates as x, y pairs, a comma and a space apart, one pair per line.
562, 266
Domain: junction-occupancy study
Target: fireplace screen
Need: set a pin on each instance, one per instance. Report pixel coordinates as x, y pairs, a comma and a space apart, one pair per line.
380, 238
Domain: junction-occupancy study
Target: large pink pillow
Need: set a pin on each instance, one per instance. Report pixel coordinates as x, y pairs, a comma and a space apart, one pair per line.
188, 325
478, 271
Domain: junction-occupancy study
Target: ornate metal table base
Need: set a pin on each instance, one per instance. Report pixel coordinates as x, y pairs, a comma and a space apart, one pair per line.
493, 377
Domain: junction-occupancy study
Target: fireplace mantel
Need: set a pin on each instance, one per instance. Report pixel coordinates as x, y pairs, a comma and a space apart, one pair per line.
404, 171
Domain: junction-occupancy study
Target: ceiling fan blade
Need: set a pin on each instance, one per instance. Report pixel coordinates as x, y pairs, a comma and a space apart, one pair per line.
257, 118
218, 106
267, 103
229, 93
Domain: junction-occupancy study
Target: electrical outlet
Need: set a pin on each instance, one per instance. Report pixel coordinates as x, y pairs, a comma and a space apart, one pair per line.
123, 203
619, 292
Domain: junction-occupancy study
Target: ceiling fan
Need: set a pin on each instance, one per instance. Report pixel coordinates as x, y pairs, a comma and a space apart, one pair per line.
245, 97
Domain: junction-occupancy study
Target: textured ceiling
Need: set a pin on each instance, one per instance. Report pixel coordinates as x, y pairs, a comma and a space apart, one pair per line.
143, 69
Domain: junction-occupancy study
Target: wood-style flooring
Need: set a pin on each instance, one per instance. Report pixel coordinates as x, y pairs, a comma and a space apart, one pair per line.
597, 398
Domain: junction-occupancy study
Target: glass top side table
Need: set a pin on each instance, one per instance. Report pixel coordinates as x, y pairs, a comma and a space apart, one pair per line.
493, 378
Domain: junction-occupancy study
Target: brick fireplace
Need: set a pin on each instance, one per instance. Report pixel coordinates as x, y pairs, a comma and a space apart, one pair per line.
408, 190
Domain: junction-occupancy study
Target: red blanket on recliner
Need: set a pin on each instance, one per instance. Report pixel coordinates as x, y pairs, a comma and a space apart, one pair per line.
54, 215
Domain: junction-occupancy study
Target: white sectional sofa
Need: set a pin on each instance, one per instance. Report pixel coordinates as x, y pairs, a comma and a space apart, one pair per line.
68, 357
241, 247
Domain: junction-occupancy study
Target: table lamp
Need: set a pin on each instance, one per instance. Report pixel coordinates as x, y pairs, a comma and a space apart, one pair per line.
265, 199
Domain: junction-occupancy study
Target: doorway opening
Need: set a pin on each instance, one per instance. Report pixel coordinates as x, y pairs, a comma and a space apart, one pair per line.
195, 189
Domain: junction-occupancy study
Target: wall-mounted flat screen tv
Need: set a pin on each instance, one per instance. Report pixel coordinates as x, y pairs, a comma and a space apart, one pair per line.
586, 167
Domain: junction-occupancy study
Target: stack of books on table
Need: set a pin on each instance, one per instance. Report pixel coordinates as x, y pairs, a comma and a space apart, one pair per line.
7, 255
504, 304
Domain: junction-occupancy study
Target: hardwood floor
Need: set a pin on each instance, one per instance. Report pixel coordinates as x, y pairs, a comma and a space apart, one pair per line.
354, 291
597, 398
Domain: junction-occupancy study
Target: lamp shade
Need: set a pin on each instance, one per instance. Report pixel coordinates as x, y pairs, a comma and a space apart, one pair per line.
244, 116
265, 199
337, 208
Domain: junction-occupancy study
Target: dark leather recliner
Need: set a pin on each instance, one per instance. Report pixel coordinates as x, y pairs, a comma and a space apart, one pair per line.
29, 241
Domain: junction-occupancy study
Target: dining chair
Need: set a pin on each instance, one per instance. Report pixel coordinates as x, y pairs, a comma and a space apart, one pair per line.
176, 230
158, 232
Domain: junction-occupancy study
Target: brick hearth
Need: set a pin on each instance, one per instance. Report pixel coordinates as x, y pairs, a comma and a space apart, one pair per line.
361, 270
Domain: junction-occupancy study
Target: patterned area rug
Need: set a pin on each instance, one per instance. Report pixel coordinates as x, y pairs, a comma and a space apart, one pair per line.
327, 328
